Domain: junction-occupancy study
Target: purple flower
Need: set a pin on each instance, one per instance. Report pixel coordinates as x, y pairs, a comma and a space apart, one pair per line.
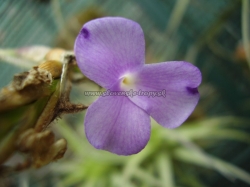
111, 52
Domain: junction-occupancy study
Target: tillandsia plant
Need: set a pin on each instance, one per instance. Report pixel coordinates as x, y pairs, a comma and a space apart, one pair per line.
29, 104
111, 52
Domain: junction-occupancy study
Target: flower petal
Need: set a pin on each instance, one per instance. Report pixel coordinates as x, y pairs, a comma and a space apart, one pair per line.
179, 81
107, 48
116, 124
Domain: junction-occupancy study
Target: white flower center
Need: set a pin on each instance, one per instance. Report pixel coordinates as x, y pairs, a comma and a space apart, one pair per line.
128, 82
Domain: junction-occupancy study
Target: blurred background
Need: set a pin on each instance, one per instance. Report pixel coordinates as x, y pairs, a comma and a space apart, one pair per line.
210, 149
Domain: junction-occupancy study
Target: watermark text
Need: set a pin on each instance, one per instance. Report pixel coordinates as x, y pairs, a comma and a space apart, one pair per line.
130, 93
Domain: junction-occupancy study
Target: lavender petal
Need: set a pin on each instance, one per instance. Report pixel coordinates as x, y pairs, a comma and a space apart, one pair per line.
178, 82
116, 124
108, 48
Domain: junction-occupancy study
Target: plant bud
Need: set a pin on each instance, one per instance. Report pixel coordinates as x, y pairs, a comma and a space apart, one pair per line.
53, 66
55, 54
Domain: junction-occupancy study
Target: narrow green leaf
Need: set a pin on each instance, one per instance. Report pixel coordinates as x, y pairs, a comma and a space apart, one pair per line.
231, 135
165, 168
204, 160
147, 177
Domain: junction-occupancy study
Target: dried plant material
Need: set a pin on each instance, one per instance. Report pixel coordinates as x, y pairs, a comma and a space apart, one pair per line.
52, 66
41, 147
28, 105
25, 88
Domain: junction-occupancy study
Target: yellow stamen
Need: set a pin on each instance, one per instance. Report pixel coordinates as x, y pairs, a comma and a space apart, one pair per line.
128, 81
